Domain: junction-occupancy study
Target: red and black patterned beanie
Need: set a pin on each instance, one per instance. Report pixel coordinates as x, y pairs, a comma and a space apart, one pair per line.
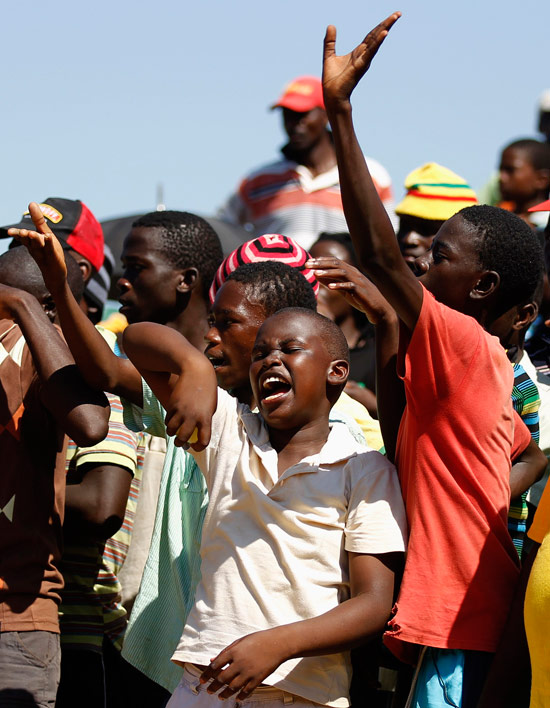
269, 247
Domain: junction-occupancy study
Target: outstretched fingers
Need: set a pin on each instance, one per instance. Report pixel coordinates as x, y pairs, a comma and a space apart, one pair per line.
32, 240
329, 43
38, 219
375, 37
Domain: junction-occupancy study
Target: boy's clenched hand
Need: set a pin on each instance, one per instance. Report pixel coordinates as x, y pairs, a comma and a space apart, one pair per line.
45, 248
247, 662
191, 406
341, 74
9, 299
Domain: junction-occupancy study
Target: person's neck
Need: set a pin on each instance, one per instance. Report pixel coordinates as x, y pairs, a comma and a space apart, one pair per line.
295, 444
349, 328
192, 322
319, 159
244, 395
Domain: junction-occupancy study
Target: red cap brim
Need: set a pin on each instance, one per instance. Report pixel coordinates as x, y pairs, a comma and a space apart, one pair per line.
543, 206
300, 104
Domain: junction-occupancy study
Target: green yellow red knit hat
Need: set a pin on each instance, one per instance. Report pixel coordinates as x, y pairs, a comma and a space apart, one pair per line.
434, 192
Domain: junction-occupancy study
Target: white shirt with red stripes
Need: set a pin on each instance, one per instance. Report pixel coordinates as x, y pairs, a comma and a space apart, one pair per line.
285, 198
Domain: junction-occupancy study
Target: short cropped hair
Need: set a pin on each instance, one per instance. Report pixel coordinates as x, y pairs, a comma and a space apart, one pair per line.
187, 241
274, 286
332, 336
19, 270
538, 152
511, 248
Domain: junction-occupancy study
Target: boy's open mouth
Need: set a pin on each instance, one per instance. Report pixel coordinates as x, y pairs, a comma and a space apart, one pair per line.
273, 387
217, 361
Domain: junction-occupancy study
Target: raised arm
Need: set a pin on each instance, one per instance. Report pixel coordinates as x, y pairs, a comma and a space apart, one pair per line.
365, 296
369, 225
80, 411
101, 368
180, 376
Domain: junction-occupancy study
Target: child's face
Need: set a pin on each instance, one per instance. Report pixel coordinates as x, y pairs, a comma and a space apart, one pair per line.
289, 371
148, 286
518, 179
451, 269
234, 322
415, 236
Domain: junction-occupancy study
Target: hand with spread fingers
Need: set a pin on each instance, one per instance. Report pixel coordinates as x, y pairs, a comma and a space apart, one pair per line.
358, 290
45, 248
341, 74
242, 666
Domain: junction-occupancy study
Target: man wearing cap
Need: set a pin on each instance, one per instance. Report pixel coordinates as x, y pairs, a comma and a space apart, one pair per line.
434, 194
299, 196
80, 233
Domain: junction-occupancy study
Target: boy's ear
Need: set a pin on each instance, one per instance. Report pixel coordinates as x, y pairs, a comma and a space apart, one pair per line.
338, 372
187, 280
543, 179
486, 285
526, 314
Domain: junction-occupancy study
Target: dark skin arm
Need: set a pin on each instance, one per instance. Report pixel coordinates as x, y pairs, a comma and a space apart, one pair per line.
80, 411
101, 368
527, 469
369, 225
253, 657
95, 507
181, 377
365, 296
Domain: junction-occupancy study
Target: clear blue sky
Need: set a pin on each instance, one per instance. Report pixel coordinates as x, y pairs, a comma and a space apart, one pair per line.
103, 100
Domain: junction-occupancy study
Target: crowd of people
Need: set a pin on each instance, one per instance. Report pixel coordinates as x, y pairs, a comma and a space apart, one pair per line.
311, 471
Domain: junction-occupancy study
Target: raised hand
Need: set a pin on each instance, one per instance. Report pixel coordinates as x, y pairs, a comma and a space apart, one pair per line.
45, 248
341, 74
358, 290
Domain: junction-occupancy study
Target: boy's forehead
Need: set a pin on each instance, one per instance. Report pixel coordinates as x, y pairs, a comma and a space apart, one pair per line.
456, 230
284, 325
146, 237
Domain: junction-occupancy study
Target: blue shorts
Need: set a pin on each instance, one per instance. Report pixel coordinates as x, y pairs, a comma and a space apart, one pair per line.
450, 678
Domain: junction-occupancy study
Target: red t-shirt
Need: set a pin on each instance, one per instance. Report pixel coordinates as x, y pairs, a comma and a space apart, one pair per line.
456, 439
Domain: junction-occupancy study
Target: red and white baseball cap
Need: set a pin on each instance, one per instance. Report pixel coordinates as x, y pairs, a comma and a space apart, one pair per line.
302, 95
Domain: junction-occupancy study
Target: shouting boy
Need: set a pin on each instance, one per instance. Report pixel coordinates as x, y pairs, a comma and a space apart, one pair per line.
303, 526
457, 431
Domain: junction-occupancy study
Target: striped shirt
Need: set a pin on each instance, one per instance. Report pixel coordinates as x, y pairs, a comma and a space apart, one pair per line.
285, 198
526, 402
90, 601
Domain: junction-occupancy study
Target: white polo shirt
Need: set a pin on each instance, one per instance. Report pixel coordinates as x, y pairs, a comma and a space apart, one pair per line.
274, 549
